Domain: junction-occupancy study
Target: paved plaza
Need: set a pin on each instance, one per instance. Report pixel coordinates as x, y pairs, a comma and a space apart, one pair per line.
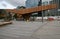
31, 30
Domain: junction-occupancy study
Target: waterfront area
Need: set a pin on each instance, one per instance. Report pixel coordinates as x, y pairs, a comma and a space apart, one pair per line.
31, 30
29, 19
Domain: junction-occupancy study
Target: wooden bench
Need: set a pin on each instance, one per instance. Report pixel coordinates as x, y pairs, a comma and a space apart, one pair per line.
5, 23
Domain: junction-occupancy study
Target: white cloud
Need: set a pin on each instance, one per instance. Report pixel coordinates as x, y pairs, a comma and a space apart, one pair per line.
5, 5
17, 2
9, 4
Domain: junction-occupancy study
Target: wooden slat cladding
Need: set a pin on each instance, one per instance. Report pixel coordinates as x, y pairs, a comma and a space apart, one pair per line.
33, 9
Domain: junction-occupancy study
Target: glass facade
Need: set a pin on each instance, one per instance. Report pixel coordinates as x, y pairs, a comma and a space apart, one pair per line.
46, 11
55, 11
52, 12
31, 3
34, 3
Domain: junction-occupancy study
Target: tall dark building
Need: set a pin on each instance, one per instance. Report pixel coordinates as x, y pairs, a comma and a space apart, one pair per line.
39, 4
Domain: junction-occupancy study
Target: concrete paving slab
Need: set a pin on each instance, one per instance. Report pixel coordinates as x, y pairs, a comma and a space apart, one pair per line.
31, 30
20, 29
50, 31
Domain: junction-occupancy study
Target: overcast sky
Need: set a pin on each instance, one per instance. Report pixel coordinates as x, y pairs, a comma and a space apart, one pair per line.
46, 0
7, 4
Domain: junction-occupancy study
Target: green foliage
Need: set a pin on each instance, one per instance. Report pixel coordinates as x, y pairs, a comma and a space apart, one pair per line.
2, 11
20, 7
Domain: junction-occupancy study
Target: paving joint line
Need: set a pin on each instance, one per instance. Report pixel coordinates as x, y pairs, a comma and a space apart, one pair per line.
39, 28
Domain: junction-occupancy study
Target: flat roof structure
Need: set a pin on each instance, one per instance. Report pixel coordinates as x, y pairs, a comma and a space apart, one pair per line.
33, 9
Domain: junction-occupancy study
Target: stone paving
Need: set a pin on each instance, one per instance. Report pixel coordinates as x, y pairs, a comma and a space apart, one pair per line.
49, 31
31, 30
20, 29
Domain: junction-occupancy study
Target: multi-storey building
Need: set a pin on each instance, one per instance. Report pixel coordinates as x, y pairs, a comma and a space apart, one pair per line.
31, 3
58, 4
55, 12
52, 12
34, 3
46, 11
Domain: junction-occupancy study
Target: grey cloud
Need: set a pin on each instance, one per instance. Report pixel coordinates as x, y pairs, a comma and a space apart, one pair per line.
16, 2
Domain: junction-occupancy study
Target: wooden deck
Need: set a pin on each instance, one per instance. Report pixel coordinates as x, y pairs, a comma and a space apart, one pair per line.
5, 23
33, 9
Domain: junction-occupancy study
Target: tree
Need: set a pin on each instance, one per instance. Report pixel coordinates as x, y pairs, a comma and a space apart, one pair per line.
2, 13
16, 16
20, 7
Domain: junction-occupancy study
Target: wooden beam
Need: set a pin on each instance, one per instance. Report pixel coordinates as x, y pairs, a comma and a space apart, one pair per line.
33, 9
